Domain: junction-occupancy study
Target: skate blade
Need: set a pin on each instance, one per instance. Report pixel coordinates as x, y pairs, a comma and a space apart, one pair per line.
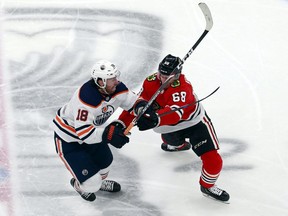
210, 197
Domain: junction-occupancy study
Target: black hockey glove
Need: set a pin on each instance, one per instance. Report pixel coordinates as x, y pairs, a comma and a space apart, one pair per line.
139, 106
147, 122
114, 134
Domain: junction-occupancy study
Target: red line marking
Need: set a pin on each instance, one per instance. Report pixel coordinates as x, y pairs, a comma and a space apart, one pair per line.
5, 181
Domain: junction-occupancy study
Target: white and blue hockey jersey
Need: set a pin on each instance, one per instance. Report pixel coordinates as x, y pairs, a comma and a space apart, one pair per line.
82, 118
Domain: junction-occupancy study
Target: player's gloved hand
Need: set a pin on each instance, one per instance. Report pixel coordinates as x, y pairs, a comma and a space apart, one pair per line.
139, 106
114, 134
148, 121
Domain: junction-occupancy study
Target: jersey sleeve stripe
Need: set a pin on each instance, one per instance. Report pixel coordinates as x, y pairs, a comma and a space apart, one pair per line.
63, 125
88, 135
74, 135
85, 131
82, 127
59, 115
192, 115
179, 112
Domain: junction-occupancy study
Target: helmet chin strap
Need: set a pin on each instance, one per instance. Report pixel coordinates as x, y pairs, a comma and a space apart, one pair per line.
102, 88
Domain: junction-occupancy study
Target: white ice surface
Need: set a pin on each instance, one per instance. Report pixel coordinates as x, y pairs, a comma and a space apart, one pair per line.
245, 54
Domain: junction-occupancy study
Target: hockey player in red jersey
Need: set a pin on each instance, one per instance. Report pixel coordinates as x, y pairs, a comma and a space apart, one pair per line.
81, 139
183, 129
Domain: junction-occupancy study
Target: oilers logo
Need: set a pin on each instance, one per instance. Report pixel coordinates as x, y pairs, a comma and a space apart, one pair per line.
107, 111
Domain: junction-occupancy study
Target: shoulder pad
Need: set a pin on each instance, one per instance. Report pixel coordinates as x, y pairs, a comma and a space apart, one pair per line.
152, 77
120, 88
89, 94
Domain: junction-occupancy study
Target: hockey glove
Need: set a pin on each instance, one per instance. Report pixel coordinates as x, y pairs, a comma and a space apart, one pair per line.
147, 122
114, 134
139, 106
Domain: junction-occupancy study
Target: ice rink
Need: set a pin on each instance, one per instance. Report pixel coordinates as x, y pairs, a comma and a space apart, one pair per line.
46, 51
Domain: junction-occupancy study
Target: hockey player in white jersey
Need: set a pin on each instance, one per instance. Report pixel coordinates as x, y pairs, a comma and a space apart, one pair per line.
81, 139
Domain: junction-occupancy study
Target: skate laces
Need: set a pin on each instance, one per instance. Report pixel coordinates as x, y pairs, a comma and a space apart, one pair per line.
86, 195
107, 185
215, 190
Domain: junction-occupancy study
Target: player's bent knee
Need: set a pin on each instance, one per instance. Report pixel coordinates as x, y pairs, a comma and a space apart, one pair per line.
212, 159
92, 184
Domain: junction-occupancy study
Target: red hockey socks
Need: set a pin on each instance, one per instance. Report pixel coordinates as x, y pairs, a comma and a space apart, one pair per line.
211, 168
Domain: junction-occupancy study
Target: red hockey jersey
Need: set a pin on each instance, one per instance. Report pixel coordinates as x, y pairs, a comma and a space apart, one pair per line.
179, 93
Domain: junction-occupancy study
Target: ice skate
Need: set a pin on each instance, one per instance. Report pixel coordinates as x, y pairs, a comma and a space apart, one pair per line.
110, 186
185, 146
215, 193
86, 196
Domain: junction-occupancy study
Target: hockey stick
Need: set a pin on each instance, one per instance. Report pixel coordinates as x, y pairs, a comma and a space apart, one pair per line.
209, 23
188, 105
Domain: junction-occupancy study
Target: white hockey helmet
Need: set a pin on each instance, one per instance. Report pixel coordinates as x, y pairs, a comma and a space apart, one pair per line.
104, 70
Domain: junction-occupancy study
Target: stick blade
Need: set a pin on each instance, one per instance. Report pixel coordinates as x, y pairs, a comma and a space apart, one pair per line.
207, 14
